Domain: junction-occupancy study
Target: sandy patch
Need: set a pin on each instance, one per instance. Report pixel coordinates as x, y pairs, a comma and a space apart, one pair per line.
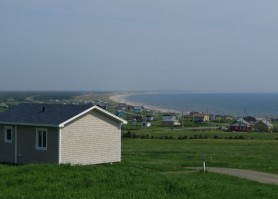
121, 98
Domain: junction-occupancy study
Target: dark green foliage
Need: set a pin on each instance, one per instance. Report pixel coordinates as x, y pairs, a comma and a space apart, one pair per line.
129, 135
182, 137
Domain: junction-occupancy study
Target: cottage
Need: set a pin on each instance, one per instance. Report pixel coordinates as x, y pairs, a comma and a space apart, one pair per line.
103, 105
120, 113
137, 109
56, 133
122, 107
170, 119
228, 117
138, 118
263, 126
200, 117
240, 125
251, 120
149, 118
146, 124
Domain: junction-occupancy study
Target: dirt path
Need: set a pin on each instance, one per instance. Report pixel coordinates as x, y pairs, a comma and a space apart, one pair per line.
261, 177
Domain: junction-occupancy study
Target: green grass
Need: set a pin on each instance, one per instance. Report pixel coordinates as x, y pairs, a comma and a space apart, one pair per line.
152, 168
175, 155
102, 181
121, 181
159, 132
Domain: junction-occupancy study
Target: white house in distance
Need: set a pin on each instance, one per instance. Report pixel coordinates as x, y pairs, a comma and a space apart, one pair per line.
170, 119
56, 133
263, 126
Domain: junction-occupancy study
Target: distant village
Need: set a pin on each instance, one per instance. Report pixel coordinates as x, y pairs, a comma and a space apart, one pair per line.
138, 116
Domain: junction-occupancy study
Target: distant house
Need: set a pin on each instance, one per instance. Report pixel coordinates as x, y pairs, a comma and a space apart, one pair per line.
146, 124
149, 118
251, 120
103, 105
57, 133
200, 117
3, 105
274, 119
170, 119
122, 107
263, 126
136, 109
120, 113
228, 117
240, 125
137, 119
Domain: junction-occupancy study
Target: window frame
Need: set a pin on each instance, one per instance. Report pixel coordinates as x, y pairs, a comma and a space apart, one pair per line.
6, 134
40, 139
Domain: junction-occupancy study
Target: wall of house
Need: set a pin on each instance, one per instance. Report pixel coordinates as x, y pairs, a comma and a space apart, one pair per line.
6, 149
26, 145
240, 128
92, 139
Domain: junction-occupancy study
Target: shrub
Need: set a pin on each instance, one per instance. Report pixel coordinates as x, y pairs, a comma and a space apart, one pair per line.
241, 137
129, 135
215, 137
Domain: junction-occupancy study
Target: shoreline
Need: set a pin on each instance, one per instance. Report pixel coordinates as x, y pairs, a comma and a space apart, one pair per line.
238, 111
121, 98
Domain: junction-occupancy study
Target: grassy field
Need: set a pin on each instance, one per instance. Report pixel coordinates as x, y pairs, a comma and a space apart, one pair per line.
175, 133
153, 168
175, 155
121, 181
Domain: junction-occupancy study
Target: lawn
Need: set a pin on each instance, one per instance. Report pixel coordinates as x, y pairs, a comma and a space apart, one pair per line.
122, 181
152, 168
161, 132
174, 155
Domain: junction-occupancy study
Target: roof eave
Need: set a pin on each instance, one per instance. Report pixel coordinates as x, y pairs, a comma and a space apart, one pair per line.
29, 124
88, 110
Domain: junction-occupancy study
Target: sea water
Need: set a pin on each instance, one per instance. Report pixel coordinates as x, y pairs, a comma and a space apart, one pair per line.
235, 104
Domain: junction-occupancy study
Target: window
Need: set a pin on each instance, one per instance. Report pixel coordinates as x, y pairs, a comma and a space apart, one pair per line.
8, 134
41, 139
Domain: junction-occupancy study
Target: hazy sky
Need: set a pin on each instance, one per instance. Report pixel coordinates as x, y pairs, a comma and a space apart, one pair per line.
196, 45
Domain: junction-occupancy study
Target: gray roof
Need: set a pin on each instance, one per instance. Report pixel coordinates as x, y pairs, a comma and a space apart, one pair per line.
41, 114
240, 122
266, 122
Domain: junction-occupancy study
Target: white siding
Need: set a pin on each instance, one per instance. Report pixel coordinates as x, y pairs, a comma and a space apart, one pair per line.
91, 139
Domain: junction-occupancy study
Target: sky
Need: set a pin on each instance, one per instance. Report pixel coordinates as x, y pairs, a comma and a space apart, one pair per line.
189, 45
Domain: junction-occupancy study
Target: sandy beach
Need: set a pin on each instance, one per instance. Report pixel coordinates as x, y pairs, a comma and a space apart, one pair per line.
121, 98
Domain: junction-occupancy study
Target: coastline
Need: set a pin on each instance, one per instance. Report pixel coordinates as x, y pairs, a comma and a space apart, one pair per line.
121, 98
237, 105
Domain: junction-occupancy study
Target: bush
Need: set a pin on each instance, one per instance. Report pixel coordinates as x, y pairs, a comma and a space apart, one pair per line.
241, 137
129, 135
182, 137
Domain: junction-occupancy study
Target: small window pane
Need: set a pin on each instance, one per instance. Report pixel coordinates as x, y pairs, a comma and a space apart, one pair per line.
41, 139
9, 134
44, 139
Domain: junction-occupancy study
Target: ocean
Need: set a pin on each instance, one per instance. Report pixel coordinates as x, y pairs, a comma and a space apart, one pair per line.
235, 104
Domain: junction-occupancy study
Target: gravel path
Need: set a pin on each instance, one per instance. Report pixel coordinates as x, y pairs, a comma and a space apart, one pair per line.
261, 177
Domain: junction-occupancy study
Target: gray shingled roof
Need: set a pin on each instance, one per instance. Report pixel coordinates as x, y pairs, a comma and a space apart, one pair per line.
42, 114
